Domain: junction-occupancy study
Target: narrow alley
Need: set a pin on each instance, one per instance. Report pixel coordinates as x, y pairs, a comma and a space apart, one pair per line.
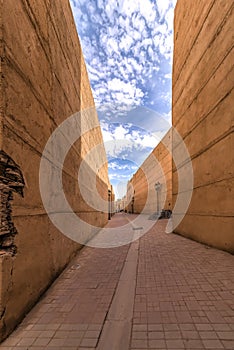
161, 292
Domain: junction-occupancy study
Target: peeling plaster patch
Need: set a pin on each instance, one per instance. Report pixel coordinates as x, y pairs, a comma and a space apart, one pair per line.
11, 179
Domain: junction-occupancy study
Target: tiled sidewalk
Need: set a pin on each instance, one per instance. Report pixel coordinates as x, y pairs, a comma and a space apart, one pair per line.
184, 298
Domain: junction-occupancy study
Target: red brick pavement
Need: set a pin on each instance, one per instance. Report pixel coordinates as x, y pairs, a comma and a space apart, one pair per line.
184, 298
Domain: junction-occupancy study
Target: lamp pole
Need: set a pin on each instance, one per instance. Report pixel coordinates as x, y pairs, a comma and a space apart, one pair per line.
109, 204
158, 187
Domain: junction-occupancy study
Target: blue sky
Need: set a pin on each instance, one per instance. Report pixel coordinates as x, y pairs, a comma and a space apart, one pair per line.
127, 45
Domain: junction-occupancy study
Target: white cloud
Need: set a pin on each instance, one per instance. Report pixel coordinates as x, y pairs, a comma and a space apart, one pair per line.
107, 136
109, 8
118, 176
168, 76
162, 6
120, 133
148, 141
147, 10
75, 5
138, 22
117, 166
169, 18
100, 4
128, 7
126, 42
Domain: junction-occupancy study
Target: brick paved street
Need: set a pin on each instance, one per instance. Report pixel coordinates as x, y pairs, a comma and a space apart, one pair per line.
162, 292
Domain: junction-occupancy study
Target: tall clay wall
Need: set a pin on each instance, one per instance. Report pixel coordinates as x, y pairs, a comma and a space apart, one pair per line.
43, 81
203, 113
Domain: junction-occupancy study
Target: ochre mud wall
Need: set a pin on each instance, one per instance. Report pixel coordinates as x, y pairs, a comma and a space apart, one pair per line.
43, 81
203, 112
156, 168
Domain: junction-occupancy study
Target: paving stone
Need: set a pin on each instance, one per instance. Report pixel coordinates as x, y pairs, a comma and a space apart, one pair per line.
226, 335
175, 344
140, 327
204, 327
86, 342
212, 344
139, 344
26, 342
155, 327
140, 335
172, 335
41, 342
157, 344
156, 335
228, 344
92, 334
